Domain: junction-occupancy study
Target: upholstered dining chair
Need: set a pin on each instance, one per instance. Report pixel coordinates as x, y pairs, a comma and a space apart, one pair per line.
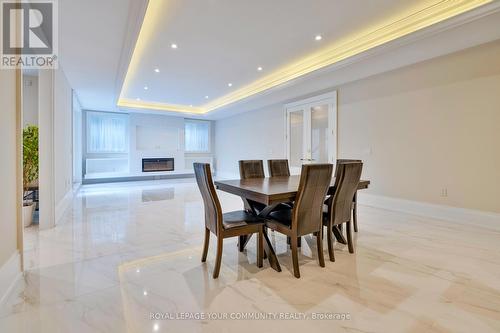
307, 214
278, 168
340, 206
224, 225
355, 199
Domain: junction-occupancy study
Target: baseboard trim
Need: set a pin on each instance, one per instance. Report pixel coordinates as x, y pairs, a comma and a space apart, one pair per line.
62, 205
454, 214
9, 273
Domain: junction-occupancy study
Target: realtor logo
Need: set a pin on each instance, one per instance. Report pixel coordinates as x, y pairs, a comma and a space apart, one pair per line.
29, 34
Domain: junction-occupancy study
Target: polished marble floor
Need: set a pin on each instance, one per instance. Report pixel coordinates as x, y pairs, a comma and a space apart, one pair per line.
126, 258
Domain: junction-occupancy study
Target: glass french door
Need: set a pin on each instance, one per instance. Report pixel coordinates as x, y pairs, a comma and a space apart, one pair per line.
311, 131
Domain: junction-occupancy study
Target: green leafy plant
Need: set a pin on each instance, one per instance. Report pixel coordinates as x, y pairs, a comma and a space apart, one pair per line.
30, 155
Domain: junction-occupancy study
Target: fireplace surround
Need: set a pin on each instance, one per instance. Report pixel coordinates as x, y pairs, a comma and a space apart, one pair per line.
157, 164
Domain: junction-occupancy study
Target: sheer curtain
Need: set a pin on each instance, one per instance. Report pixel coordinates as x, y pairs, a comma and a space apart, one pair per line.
197, 136
106, 132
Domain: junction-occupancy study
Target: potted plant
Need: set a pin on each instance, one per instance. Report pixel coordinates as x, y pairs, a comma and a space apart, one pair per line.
30, 171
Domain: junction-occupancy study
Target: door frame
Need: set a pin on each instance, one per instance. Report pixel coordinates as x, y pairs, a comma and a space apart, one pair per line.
330, 99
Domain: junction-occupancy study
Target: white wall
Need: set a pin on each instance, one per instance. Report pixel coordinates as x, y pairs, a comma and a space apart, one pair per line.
150, 136
8, 208
258, 134
55, 123
155, 136
62, 135
419, 129
30, 100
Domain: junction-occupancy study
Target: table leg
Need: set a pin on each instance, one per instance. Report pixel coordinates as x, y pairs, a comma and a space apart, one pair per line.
338, 235
267, 210
243, 241
271, 255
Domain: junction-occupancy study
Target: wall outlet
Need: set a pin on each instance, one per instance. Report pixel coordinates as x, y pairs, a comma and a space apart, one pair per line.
444, 192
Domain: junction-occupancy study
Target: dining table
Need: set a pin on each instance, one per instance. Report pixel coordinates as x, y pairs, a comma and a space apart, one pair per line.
270, 192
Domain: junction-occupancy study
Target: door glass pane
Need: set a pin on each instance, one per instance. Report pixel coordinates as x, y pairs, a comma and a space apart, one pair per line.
319, 134
296, 138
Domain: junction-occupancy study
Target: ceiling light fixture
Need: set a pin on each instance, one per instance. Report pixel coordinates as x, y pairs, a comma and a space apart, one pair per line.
173, 45
229, 84
206, 97
146, 87
259, 68
157, 70
318, 37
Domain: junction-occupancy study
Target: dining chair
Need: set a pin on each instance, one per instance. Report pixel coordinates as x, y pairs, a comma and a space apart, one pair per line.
251, 169
307, 214
340, 206
278, 168
355, 199
224, 225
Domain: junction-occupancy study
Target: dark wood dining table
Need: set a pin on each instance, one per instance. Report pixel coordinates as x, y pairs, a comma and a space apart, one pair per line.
270, 192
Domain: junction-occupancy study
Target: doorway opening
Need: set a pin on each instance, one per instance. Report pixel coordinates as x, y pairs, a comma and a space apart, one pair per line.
311, 131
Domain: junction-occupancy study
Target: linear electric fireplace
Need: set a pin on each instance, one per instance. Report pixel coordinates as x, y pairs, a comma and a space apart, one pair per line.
157, 164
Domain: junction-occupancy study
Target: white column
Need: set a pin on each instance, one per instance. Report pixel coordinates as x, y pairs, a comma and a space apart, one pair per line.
46, 148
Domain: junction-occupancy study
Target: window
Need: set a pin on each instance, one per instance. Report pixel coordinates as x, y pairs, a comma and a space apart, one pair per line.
107, 132
197, 136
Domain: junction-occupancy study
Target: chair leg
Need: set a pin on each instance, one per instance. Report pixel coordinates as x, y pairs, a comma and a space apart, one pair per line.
218, 258
299, 241
355, 212
295, 257
260, 248
349, 237
319, 244
205, 245
329, 237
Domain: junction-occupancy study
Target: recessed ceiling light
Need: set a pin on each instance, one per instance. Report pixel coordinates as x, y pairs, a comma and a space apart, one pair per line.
157, 70
146, 87
206, 97
318, 37
156, 327
229, 84
259, 68
145, 293
173, 45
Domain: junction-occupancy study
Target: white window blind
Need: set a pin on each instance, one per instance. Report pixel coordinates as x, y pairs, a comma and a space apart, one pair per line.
107, 132
197, 136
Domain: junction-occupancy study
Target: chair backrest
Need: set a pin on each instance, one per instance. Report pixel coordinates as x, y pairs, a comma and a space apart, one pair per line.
343, 161
278, 168
346, 184
251, 169
213, 210
307, 215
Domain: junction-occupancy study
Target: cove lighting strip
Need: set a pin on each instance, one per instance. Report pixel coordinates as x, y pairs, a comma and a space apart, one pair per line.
331, 55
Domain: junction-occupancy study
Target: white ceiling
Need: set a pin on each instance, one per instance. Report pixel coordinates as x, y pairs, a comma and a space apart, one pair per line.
224, 41
91, 38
